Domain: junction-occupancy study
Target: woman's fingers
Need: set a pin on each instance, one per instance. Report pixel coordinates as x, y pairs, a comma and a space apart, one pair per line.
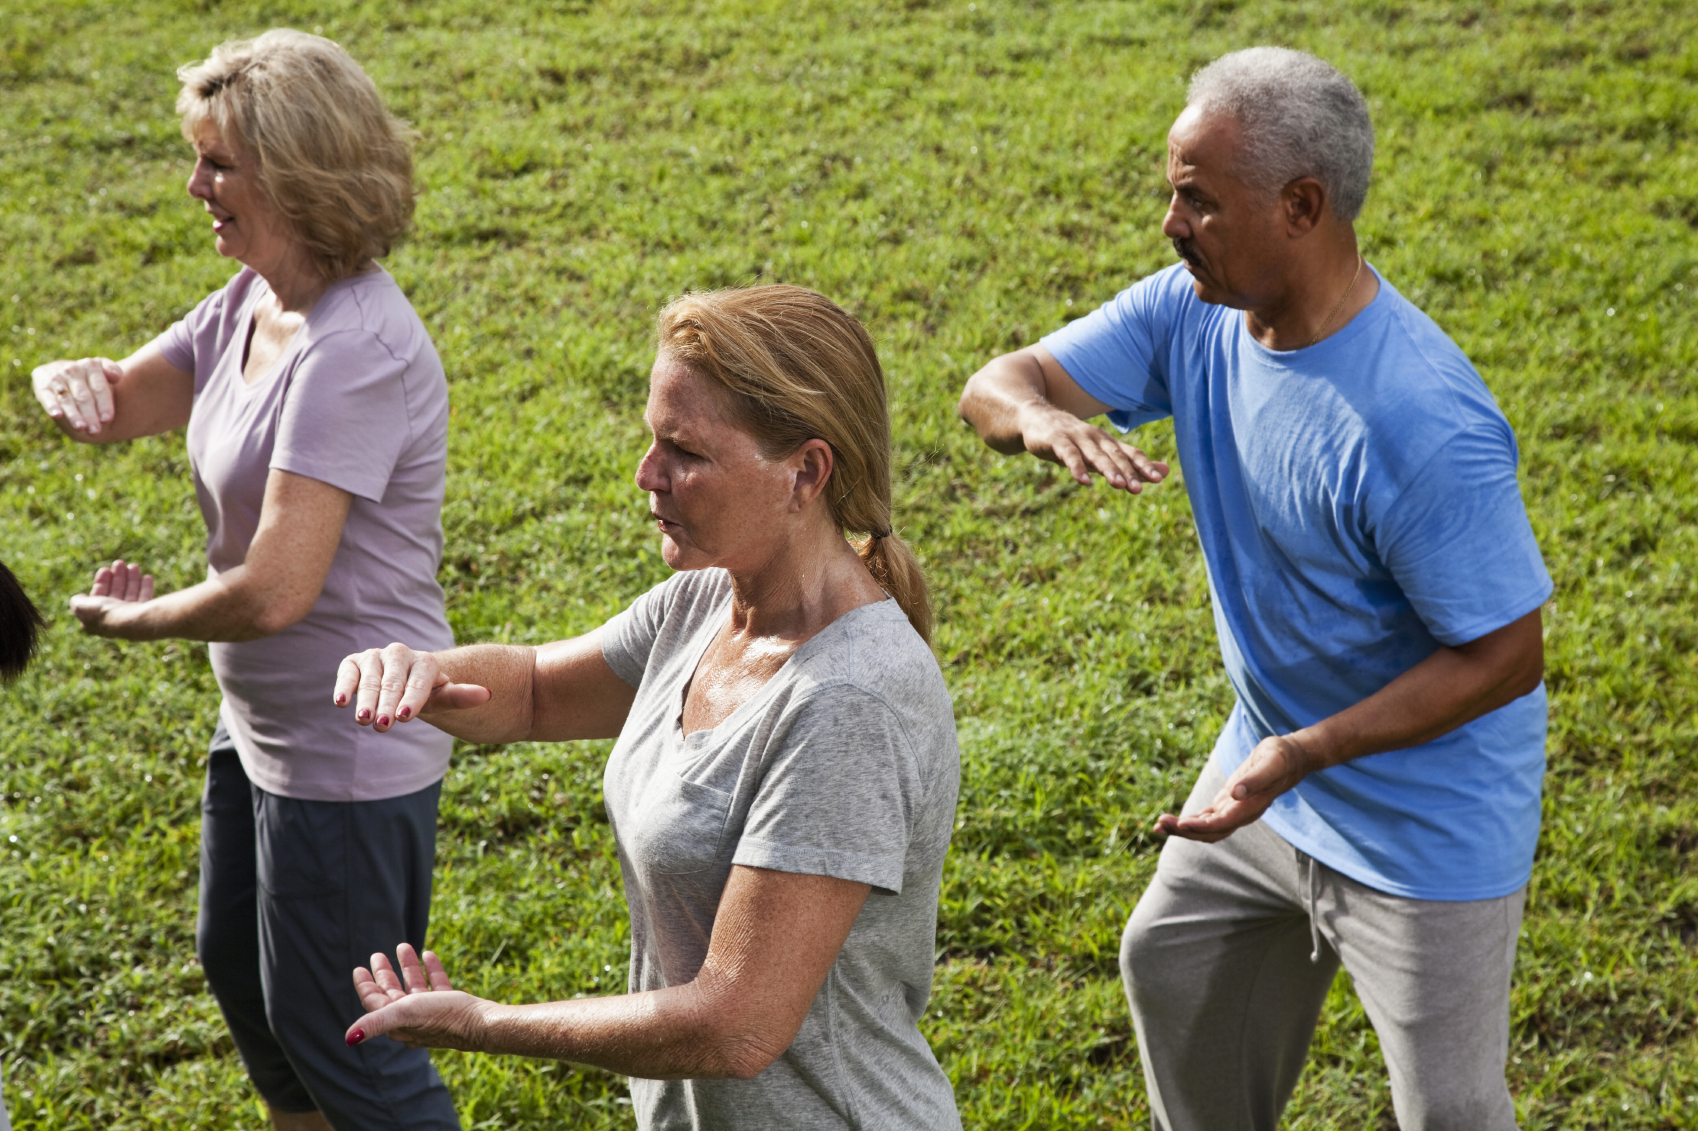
399, 661
370, 993
122, 581
438, 976
347, 680
370, 684
413, 975
79, 392
384, 975
422, 679
83, 396
132, 581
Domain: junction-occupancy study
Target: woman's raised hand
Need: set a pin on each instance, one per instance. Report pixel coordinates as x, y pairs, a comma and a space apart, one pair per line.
78, 392
115, 586
420, 1008
395, 684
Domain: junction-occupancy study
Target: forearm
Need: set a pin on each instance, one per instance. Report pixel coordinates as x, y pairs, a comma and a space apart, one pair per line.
669, 1034
1448, 689
997, 395
226, 608
509, 672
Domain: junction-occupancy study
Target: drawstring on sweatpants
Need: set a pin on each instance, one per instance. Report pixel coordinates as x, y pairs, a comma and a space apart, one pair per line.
1314, 919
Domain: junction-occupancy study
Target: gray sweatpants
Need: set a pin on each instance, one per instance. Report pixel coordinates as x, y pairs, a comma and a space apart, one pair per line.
1225, 996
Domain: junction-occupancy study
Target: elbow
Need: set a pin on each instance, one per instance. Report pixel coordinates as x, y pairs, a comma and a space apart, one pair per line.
740, 1044
964, 407
274, 616
1532, 673
744, 1057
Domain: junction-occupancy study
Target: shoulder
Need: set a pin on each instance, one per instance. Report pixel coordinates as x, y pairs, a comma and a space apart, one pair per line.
1428, 390
229, 302
1165, 297
371, 308
873, 657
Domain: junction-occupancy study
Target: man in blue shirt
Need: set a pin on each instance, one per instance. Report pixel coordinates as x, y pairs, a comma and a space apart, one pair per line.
1373, 799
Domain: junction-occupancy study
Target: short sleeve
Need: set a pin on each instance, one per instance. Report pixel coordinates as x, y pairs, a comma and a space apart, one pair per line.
841, 795
1458, 542
1117, 352
344, 421
178, 342
627, 640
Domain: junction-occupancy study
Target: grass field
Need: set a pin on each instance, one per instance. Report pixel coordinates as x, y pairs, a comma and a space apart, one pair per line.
964, 177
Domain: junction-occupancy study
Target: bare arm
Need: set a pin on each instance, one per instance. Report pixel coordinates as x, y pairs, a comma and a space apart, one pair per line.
300, 526
1451, 687
775, 938
100, 401
1026, 402
490, 692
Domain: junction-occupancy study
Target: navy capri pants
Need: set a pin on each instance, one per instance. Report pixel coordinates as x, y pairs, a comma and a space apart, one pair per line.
293, 895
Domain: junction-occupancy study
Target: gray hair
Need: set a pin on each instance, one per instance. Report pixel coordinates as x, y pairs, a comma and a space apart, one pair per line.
1300, 118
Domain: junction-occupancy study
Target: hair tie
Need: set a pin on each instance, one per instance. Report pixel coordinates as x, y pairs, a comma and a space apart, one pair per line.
877, 534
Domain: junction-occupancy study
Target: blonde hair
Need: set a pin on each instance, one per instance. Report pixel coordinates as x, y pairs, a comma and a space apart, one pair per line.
330, 156
798, 368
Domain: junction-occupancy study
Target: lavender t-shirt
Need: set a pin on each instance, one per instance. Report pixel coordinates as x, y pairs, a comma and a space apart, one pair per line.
359, 401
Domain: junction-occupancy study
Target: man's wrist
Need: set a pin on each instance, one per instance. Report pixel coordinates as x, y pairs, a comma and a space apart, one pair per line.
1319, 748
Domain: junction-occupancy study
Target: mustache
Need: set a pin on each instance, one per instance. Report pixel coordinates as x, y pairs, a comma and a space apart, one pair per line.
1184, 250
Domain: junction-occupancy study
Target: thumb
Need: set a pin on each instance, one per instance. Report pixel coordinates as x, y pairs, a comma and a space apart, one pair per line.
456, 696
111, 369
374, 1024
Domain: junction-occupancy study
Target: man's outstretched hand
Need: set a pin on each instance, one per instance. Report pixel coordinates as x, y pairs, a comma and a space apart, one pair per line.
1274, 766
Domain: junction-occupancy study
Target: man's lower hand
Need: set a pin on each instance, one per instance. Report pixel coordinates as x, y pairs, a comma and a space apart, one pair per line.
1274, 766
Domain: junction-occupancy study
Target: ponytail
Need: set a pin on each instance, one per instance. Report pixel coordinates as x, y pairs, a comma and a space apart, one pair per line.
896, 568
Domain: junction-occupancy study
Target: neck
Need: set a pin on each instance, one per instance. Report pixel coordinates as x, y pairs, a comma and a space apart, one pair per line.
1320, 296
294, 281
811, 580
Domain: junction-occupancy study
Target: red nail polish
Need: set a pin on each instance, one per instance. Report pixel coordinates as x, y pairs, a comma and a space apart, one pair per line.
364, 715
341, 700
383, 720
404, 712
356, 1037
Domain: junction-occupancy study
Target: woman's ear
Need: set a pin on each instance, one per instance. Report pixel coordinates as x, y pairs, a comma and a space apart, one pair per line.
811, 466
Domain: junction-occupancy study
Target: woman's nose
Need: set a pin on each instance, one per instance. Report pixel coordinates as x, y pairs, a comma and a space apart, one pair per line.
648, 473
200, 182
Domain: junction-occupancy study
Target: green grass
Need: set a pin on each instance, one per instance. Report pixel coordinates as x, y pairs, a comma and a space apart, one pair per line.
964, 179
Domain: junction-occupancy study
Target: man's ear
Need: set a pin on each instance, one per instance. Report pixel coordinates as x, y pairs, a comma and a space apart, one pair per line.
812, 464
1304, 202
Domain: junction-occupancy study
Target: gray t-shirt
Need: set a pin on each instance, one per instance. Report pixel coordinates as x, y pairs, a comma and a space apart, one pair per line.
358, 400
845, 764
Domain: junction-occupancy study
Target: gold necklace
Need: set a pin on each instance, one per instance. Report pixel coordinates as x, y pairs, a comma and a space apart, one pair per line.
1340, 305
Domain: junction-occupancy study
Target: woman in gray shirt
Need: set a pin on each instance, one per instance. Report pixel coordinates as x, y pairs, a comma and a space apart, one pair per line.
784, 784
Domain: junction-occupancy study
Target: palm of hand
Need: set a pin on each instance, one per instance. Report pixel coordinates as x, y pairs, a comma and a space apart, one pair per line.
1276, 765
420, 1007
121, 583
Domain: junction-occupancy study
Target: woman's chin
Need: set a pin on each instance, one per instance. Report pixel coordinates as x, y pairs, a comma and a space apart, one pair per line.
675, 556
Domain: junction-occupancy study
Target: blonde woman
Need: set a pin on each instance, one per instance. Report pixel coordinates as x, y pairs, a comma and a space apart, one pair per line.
317, 417
784, 782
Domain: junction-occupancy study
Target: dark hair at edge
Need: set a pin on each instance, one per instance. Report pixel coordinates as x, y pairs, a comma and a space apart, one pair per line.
20, 624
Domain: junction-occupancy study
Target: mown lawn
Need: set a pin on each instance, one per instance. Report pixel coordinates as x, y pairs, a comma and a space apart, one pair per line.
964, 177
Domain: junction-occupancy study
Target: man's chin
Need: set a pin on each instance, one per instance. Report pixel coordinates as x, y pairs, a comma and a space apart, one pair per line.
1208, 293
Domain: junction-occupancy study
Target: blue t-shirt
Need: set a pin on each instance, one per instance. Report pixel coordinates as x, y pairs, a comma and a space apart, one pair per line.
1357, 507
